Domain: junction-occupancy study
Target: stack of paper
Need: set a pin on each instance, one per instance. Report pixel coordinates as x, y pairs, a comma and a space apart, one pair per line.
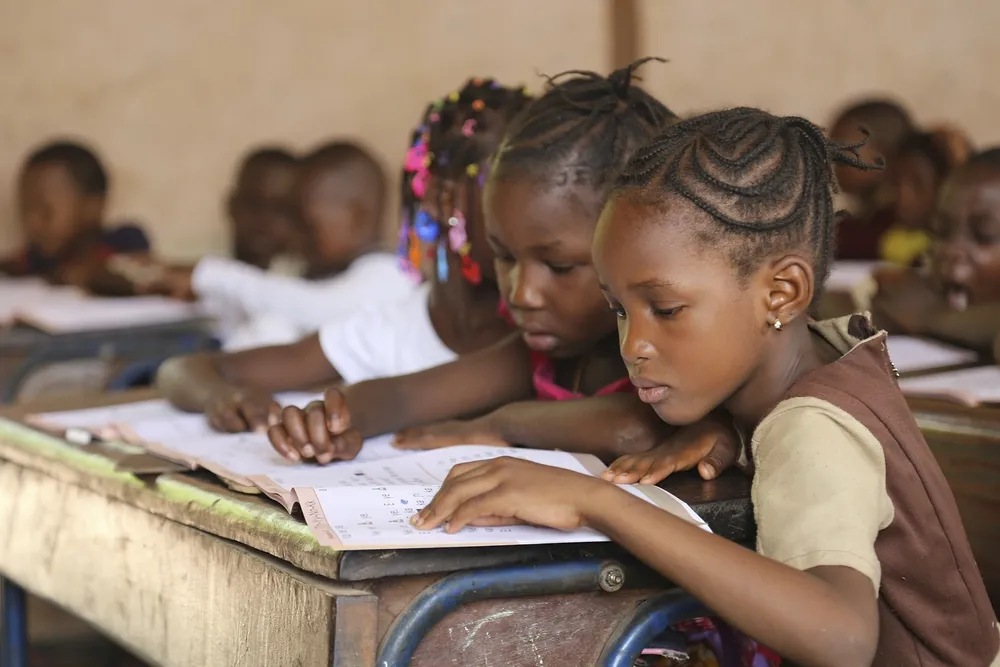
910, 354
971, 386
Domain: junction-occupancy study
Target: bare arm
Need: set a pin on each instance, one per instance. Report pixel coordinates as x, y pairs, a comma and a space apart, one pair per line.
826, 616
823, 617
191, 382
605, 426
471, 385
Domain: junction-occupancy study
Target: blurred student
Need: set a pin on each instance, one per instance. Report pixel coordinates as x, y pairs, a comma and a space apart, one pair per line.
866, 196
957, 297
339, 196
62, 195
921, 164
261, 219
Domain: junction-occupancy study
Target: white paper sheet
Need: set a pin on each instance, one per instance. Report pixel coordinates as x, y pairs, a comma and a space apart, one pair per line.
911, 354
970, 386
75, 315
354, 514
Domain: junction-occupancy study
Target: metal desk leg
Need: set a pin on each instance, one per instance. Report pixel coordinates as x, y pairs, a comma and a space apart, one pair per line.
650, 619
443, 597
14, 626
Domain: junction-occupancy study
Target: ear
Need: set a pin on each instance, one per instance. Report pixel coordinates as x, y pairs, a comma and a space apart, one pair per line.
790, 288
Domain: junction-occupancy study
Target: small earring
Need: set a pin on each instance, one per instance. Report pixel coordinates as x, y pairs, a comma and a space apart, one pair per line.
776, 324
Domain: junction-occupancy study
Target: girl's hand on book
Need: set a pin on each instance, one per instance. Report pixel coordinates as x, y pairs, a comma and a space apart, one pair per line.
506, 491
448, 434
321, 431
711, 445
235, 410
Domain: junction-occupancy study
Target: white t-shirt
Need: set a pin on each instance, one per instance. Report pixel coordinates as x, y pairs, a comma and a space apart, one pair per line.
302, 305
385, 340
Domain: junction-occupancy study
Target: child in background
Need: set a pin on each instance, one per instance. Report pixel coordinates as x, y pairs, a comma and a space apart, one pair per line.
958, 298
868, 200
711, 249
453, 313
545, 190
264, 233
62, 195
916, 173
340, 197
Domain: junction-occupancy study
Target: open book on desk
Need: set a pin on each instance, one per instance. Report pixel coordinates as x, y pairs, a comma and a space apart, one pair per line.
970, 386
912, 355
82, 314
366, 506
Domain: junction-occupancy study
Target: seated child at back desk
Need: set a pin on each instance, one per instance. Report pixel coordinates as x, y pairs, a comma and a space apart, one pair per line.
542, 198
868, 195
261, 222
453, 313
339, 198
957, 297
916, 173
62, 195
711, 248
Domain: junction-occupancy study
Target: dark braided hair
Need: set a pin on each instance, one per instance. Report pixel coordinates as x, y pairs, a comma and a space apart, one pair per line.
460, 131
766, 180
587, 124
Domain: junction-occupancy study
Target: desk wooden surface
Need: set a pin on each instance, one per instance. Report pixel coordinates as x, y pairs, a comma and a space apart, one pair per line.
184, 571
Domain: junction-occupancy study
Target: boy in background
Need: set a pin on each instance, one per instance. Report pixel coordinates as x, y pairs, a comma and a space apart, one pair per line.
260, 211
62, 196
339, 198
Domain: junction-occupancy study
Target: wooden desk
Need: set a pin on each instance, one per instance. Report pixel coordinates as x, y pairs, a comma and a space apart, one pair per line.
183, 571
966, 444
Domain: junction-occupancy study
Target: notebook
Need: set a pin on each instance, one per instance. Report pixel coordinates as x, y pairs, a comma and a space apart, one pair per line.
910, 355
82, 314
970, 386
357, 505
17, 294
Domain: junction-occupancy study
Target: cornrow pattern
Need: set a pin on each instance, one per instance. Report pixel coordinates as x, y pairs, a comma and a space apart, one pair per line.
767, 180
586, 122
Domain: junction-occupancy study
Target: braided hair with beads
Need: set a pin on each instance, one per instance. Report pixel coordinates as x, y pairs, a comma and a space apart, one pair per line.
583, 129
766, 180
457, 135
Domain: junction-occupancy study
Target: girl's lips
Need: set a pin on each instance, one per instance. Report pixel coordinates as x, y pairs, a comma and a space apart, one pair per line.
540, 342
653, 395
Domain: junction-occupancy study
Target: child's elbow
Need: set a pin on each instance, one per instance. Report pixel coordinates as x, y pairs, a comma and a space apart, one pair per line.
850, 648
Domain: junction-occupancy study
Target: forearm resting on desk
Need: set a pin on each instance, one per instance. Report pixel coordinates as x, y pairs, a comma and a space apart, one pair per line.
192, 381
606, 426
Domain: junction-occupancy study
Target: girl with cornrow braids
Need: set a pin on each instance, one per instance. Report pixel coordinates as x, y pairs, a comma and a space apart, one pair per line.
710, 250
545, 189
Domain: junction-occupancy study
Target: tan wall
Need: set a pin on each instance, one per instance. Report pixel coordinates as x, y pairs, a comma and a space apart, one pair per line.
806, 57
172, 92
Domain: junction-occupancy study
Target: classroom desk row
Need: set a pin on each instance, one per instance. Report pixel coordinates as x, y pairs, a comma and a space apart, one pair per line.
90, 360
183, 571
191, 573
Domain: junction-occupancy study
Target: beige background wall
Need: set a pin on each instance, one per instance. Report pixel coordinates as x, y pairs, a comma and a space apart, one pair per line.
172, 92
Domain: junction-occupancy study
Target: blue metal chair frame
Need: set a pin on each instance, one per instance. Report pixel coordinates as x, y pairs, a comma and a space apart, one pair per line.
445, 596
651, 619
13, 625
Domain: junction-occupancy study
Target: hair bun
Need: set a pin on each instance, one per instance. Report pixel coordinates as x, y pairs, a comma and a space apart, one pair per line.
621, 79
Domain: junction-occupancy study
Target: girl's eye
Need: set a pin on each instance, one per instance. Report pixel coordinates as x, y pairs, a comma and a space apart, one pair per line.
504, 257
561, 269
618, 311
667, 312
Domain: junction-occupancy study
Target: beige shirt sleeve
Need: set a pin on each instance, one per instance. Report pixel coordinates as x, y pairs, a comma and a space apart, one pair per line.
819, 492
